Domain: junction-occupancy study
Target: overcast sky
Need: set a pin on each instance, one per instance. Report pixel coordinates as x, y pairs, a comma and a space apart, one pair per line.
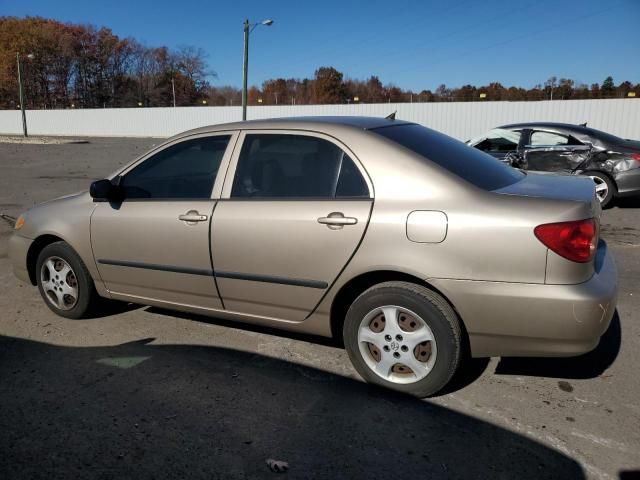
413, 44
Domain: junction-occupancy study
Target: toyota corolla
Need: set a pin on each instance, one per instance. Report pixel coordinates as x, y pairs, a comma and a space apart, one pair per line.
411, 247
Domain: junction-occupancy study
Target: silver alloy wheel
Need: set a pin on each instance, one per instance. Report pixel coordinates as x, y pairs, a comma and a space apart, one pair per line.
396, 344
59, 283
602, 189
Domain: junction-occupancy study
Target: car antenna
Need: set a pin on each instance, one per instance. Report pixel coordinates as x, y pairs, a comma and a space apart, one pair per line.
391, 116
583, 124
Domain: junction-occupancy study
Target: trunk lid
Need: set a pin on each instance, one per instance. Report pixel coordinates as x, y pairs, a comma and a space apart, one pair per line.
553, 186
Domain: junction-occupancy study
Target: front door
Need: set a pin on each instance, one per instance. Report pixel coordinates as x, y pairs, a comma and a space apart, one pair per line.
155, 243
553, 152
288, 222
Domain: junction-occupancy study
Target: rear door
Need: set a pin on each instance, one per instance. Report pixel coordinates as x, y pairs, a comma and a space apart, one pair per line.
293, 211
155, 243
554, 152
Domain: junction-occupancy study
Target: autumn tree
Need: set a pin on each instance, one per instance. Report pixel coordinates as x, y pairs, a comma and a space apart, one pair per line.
92, 67
328, 86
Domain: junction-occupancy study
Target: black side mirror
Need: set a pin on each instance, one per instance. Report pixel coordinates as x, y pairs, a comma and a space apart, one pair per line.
104, 190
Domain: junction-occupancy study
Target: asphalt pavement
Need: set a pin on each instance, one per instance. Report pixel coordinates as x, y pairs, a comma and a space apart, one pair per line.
146, 393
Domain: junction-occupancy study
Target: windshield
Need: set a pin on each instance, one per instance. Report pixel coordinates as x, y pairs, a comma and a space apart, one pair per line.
468, 163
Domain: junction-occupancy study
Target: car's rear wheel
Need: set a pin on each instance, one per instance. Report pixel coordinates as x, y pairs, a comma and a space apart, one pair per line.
403, 336
64, 281
605, 188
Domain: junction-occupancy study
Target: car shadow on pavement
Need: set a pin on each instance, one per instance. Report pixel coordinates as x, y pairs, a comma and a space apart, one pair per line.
107, 308
470, 370
140, 410
627, 202
589, 365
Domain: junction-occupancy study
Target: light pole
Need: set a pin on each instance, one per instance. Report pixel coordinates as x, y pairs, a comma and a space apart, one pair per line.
21, 94
248, 28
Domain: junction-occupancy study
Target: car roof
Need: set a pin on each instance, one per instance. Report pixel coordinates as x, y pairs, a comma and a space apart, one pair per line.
311, 123
550, 125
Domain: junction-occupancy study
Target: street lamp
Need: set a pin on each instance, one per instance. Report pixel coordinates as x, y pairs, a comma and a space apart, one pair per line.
248, 28
21, 93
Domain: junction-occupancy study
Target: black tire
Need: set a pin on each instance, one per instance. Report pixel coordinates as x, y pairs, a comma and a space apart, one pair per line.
606, 201
434, 310
86, 290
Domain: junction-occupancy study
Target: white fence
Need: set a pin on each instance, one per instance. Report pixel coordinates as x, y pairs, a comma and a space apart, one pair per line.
460, 120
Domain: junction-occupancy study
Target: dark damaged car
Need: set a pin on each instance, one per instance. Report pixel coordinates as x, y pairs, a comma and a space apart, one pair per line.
612, 162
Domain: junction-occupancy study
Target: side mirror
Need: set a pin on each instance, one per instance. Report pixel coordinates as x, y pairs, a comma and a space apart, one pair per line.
103, 190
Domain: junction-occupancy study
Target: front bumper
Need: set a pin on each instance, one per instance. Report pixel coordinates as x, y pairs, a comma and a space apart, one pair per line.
18, 249
524, 319
628, 182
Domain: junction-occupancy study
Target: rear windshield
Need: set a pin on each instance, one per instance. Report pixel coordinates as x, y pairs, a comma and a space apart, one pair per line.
468, 163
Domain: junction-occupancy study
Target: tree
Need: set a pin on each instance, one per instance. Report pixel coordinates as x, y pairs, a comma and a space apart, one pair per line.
442, 93
93, 67
565, 88
608, 88
550, 86
276, 91
328, 86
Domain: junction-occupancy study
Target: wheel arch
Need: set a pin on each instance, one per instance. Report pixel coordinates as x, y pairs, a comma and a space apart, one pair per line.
357, 285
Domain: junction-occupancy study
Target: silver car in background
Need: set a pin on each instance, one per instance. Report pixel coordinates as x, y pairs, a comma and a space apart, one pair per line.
412, 247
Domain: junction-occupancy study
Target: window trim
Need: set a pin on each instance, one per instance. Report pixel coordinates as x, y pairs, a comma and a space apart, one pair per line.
219, 180
233, 164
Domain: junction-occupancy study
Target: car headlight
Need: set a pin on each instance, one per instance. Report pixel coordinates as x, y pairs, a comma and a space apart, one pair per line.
19, 223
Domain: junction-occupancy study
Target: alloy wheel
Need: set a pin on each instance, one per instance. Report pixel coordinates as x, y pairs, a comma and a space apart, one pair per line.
602, 189
59, 283
397, 344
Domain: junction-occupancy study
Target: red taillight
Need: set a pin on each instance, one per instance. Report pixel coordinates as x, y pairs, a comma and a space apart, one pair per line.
636, 156
575, 241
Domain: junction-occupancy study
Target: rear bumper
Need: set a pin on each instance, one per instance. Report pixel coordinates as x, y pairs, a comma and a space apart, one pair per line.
523, 319
628, 182
18, 248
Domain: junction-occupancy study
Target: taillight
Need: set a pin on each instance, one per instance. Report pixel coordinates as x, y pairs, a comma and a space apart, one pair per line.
575, 241
636, 156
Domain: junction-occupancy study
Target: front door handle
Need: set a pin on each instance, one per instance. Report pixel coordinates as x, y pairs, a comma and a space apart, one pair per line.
337, 220
192, 216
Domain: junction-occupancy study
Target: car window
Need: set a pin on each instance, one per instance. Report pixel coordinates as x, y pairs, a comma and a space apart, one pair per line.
185, 170
468, 163
540, 138
295, 166
498, 140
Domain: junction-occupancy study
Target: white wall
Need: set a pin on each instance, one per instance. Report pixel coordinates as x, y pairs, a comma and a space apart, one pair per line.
461, 120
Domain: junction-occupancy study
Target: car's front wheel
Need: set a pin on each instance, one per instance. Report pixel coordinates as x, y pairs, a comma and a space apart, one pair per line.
403, 336
64, 281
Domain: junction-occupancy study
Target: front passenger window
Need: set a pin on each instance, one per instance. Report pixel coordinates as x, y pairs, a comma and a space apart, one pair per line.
186, 170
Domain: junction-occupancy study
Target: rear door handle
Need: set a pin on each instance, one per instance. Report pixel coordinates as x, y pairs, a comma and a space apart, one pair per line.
192, 216
336, 220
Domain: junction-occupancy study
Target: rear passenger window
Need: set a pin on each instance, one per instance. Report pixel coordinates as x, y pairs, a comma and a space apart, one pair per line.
350, 181
540, 139
295, 166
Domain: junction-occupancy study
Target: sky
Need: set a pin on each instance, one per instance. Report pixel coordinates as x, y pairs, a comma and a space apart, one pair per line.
412, 44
